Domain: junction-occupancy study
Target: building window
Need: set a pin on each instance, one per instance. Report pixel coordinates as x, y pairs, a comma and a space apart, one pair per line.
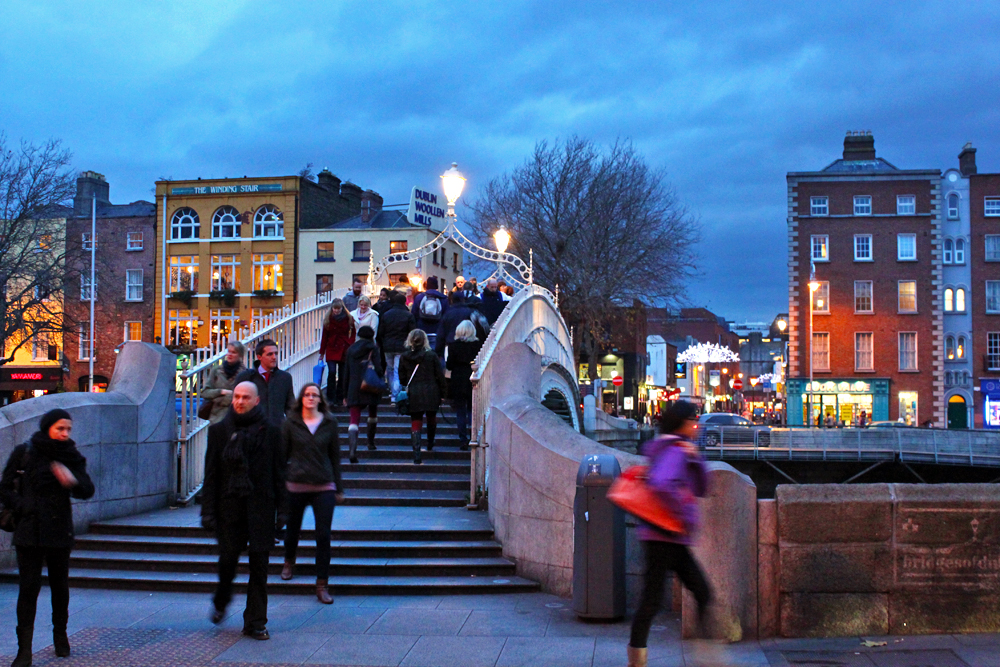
87, 241
821, 298
862, 296
991, 207
184, 273
133, 331
398, 279
864, 358
226, 223
359, 278
993, 351
362, 250
819, 206
260, 315
948, 255
993, 247
43, 244
133, 241
862, 205
960, 300
444, 259
821, 248
993, 296
183, 328
907, 351
268, 222
906, 247
85, 287
908, 407
40, 346
906, 205
960, 251
83, 335
949, 348
953, 206
324, 251
949, 299
184, 224
907, 296
133, 284
224, 323
862, 247
960, 350
454, 262
267, 271
225, 272
397, 246
821, 351
324, 283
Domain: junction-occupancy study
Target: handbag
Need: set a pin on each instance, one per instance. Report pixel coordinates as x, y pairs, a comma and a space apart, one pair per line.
318, 372
631, 492
205, 410
9, 518
403, 398
372, 383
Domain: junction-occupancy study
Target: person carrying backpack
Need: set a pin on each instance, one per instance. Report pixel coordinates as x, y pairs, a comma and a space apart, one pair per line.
428, 309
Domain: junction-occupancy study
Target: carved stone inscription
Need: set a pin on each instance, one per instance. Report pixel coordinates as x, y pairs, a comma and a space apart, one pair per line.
947, 547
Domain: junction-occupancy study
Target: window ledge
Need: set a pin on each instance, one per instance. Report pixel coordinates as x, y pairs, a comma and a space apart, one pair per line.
821, 261
864, 312
256, 238
134, 300
864, 370
914, 259
359, 259
956, 361
913, 370
133, 249
907, 312
325, 259
868, 261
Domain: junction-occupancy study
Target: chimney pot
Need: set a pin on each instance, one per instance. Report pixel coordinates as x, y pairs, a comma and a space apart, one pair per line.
967, 160
859, 145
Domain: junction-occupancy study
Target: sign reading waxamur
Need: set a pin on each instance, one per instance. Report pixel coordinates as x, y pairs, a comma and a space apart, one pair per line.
227, 189
427, 208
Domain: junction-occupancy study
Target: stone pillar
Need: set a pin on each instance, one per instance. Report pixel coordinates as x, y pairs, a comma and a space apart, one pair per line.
768, 602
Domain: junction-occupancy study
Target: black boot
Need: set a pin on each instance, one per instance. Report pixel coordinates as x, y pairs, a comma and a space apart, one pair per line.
372, 423
415, 441
352, 444
60, 642
24, 636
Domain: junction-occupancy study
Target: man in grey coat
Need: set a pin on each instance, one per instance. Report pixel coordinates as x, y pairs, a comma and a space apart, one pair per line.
274, 386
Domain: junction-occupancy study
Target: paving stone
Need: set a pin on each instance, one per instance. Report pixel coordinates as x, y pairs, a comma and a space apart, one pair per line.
547, 652
363, 651
826, 659
937, 658
454, 652
341, 620
611, 651
407, 621
288, 647
507, 623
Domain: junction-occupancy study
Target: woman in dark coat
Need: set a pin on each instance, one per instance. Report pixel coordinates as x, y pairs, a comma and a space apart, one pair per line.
357, 357
426, 386
462, 352
49, 470
222, 380
312, 478
338, 335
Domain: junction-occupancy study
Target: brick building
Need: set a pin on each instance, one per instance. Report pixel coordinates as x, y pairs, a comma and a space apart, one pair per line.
125, 258
984, 264
870, 236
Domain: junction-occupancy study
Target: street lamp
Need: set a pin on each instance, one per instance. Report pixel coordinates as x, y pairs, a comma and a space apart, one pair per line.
453, 183
782, 325
502, 238
813, 286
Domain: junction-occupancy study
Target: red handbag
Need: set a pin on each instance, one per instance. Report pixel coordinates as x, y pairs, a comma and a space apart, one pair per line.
631, 493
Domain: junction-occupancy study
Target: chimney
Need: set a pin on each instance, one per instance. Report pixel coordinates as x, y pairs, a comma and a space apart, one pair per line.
967, 160
88, 184
371, 204
328, 180
351, 193
859, 145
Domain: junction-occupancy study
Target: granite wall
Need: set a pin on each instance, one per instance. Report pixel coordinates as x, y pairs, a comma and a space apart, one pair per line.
127, 434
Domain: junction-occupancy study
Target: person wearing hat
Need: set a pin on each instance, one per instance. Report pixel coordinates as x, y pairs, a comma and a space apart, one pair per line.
358, 355
40, 477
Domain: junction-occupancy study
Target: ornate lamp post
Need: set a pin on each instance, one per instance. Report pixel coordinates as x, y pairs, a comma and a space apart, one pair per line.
502, 238
453, 183
782, 325
813, 286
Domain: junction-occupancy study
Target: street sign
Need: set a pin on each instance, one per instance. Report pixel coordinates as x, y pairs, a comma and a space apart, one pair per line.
628, 402
737, 384
427, 208
618, 380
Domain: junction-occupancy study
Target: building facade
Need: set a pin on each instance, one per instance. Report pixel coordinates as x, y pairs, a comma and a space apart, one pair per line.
984, 264
869, 237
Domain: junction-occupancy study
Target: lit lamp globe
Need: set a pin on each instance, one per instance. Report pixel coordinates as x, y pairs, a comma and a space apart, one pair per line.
782, 325
813, 286
415, 282
502, 238
453, 183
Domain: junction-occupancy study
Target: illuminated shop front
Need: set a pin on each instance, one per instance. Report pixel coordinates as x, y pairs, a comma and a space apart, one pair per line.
844, 400
990, 390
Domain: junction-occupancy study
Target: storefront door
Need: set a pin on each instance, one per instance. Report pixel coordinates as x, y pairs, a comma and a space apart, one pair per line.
957, 413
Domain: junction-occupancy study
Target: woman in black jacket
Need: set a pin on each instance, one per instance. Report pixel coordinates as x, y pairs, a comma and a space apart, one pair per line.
312, 477
358, 355
462, 352
49, 469
426, 386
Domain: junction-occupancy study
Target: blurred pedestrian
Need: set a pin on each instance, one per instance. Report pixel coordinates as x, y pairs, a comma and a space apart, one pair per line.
493, 302
312, 479
426, 386
274, 386
396, 325
219, 387
338, 335
383, 302
429, 308
678, 477
457, 313
365, 315
351, 298
359, 355
40, 477
462, 351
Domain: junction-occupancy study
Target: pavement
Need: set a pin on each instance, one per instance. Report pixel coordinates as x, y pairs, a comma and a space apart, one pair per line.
138, 629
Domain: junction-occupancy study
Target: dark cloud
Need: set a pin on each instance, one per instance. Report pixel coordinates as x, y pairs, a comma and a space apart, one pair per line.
726, 97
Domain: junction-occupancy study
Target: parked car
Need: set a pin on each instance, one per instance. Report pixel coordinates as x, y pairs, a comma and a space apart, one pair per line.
727, 428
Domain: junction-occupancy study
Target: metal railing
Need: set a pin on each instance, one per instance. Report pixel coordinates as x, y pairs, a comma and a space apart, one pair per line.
296, 329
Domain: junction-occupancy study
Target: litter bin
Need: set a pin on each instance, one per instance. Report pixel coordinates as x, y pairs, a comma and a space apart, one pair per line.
598, 542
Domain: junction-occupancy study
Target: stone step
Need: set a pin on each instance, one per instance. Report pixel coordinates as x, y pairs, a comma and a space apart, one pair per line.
408, 466
412, 481
406, 497
402, 452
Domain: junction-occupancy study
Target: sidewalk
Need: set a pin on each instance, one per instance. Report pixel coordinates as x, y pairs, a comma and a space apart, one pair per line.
133, 629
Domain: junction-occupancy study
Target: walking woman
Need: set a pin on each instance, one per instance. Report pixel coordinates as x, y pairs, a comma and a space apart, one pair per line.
48, 469
338, 335
358, 355
678, 476
312, 478
462, 352
365, 315
222, 380
425, 389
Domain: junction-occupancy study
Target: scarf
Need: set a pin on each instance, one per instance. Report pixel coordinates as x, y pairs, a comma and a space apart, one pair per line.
230, 369
63, 451
343, 314
244, 434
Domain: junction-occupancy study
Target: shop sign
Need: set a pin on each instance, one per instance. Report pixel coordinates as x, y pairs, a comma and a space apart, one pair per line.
427, 208
249, 188
842, 387
713, 378
991, 402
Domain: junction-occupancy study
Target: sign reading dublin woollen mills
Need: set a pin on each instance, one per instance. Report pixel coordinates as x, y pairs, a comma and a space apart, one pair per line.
249, 188
427, 208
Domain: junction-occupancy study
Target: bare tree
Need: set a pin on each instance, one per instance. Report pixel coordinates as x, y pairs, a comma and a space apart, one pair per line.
605, 227
35, 185
307, 172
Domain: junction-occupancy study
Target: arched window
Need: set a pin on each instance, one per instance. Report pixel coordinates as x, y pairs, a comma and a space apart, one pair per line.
949, 379
960, 350
226, 223
268, 221
953, 206
960, 251
184, 224
949, 348
949, 251
949, 300
960, 300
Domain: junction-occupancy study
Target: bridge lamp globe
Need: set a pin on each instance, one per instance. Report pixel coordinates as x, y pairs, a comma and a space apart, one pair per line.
453, 183
502, 238
782, 325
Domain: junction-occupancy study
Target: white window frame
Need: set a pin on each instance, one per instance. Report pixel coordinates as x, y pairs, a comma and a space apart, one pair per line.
260, 264
182, 319
906, 204
961, 300
40, 344
220, 222
824, 247
949, 300
220, 262
948, 252
268, 218
125, 333
822, 350
899, 247
993, 350
85, 286
86, 241
959, 250
131, 285
993, 285
859, 241
819, 206
871, 297
862, 204
231, 316
133, 241
185, 225
899, 297
953, 211
178, 268
994, 240
900, 338
949, 348
991, 207
823, 291
859, 352
83, 335
961, 348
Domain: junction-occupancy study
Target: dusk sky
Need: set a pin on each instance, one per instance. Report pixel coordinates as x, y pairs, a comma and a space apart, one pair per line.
727, 97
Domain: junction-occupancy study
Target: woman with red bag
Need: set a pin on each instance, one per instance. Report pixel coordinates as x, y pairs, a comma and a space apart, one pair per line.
677, 476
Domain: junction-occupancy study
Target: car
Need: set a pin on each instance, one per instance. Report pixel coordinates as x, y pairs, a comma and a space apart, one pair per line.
727, 428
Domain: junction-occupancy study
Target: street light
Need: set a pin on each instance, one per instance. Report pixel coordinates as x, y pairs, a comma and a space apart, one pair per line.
782, 325
813, 286
502, 238
453, 183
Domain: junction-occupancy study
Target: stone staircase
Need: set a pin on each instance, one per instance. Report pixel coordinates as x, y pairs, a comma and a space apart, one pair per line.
403, 529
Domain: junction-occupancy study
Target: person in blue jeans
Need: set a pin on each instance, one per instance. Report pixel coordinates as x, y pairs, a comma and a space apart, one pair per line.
312, 478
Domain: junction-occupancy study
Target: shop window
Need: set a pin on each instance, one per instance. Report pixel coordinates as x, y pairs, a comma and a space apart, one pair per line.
184, 225
324, 283
907, 296
820, 248
225, 272
907, 351
906, 205
183, 328
268, 222
267, 270
184, 273
261, 316
821, 298
324, 251
133, 331
953, 206
862, 296
133, 241
821, 351
864, 357
224, 323
819, 206
226, 223
908, 407
359, 278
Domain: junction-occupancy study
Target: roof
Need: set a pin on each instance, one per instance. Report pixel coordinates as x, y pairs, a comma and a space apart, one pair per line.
381, 220
137, 209
860, 166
